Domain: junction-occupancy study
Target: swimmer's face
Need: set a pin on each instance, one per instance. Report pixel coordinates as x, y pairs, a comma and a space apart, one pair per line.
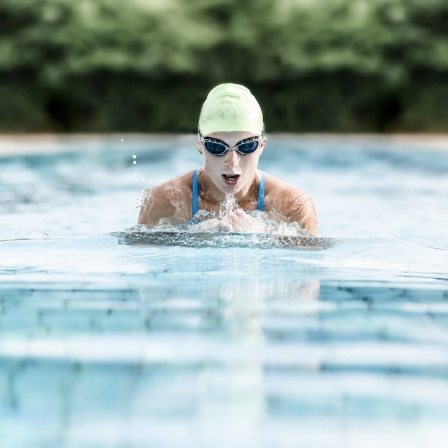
240, 168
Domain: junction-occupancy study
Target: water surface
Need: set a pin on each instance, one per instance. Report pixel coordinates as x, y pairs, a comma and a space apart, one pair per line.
108, 344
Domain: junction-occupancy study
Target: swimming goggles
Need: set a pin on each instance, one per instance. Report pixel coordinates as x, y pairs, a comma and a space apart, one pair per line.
219, 148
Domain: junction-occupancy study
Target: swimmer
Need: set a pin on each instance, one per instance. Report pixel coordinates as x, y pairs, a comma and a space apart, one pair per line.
231, 140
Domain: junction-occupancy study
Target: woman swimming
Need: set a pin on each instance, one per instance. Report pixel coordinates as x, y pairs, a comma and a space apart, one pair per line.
231, 140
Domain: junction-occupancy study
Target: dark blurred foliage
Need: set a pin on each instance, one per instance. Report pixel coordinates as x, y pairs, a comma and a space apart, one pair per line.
147, 65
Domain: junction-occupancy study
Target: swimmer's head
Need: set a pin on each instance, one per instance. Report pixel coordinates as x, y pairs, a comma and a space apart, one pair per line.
228, 108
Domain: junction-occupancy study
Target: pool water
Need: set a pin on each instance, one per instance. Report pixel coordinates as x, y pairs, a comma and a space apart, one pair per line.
136, 345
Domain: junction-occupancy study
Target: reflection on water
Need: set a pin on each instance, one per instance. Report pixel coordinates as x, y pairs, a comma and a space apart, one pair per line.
172, 366
241, 303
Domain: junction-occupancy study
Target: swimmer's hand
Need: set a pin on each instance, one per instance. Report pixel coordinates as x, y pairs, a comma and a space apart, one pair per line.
212, 225
240, 221
234, 221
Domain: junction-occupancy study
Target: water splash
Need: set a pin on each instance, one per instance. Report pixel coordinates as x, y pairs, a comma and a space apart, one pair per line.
227, 205
276, 233
210, 229
174, 236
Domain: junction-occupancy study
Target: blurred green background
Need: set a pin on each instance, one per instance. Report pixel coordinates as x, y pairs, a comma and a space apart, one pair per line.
147, 65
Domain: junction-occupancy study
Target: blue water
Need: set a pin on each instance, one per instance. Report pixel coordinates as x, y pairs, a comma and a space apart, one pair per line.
108, 344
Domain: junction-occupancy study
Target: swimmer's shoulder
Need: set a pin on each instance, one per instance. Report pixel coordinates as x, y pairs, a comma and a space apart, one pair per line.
170, 199
294, 204
284, 197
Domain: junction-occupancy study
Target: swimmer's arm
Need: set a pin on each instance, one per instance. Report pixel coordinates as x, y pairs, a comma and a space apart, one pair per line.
150, 210
304, 213
154, 207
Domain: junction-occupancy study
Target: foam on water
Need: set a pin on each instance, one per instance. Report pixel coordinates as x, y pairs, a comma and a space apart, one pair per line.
201, 232
221, 239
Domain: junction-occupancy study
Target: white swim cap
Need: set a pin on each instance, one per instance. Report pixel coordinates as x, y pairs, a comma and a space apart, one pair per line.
230, 107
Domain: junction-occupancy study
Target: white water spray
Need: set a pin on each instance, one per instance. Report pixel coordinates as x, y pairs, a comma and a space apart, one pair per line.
227, 205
